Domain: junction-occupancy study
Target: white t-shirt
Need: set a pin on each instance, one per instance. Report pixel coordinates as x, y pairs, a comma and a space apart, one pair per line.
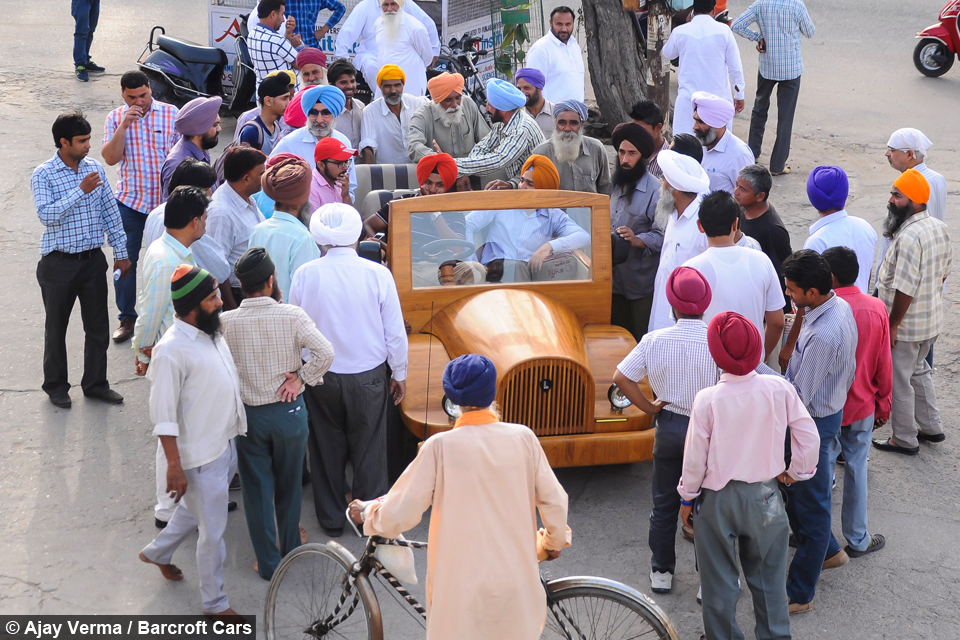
741, 280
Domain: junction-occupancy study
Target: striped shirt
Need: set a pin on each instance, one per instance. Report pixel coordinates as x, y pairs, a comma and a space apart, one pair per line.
206, 251
781, 23
653, 167
825, 359
154, 305
146, 144
75, 221
269, 51
676, 362
505, 148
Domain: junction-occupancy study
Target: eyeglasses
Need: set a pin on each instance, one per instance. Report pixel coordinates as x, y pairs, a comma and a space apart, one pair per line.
342, 164
324, 113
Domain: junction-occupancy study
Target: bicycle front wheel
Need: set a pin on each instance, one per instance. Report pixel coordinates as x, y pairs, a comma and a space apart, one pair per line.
585, 608
312, 595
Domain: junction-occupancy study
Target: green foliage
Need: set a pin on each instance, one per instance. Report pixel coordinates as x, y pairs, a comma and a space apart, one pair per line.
516, 36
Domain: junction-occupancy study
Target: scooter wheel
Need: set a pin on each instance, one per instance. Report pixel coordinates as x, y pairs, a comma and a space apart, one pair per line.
932, 58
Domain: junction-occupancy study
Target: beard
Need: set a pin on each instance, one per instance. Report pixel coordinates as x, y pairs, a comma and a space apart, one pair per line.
666, 205
566, 144
276, 294
209, 142
449, 117
306, 210
319, 129
393, 100
627, 179
896, 216
496, 117
534, 99
708, 137
209, 323
391, 26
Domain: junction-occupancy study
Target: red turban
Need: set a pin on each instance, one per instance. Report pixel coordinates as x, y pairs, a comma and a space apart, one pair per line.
311, 55
293, 115
734, 342
441, 163
688, 292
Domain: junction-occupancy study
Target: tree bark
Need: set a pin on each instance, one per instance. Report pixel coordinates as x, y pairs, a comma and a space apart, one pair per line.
658, 82
617, 62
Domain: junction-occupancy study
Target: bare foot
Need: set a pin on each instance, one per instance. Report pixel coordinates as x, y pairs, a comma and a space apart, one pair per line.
256, 569
169, 571
303, 535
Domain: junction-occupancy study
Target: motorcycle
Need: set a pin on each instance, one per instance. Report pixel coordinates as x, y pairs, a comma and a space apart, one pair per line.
180, 70
939, 43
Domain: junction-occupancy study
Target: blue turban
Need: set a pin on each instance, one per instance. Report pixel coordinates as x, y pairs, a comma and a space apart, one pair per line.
470, 381
331, 97
504, 96
827, 188
531, 75
571, 105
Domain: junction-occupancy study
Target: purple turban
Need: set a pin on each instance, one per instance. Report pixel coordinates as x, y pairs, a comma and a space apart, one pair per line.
827, 188
197, 116
531, 75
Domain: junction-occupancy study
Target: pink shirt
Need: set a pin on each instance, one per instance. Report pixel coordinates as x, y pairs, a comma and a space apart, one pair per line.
321, 192
872, 389
737, 432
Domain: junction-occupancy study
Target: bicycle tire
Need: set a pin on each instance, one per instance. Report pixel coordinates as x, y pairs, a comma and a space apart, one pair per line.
306, 588
600, 609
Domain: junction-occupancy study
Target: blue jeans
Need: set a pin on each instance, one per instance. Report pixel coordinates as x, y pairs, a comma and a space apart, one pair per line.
930, 357
809, 514
126, 287
86, 13
854, 441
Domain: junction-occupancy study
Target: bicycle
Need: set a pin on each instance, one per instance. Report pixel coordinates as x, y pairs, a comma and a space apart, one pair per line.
323, 591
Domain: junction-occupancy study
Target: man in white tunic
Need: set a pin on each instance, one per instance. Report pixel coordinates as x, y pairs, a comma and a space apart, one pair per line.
403, 41
558, 56
724, 154
386, 121
486, 480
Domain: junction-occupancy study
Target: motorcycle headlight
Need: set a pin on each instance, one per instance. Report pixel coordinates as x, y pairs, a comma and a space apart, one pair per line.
617, 400
452, 410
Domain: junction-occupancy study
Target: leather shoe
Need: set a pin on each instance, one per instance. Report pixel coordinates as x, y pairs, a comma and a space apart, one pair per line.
125, 331
61, 400
795, 607
332, 532
838, 559
232, 506
106, 395
937, 437
235, 482
886, 445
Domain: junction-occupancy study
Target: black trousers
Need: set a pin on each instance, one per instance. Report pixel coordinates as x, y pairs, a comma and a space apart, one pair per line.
348, 420
63, 280
667, 469
787, 93
632, 315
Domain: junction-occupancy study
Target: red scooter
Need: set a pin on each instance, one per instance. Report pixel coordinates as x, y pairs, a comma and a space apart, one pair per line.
939, 43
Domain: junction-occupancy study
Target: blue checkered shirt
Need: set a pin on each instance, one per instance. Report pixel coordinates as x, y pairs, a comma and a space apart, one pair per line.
781, 23
306, 13
269, 51
75, 221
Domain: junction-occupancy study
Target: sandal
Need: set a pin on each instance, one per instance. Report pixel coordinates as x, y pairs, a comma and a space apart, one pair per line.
785, 171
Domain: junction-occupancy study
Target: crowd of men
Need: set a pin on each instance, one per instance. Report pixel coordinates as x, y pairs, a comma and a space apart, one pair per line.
832, 341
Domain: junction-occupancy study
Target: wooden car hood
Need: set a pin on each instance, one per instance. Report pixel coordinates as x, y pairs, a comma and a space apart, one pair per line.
509, 326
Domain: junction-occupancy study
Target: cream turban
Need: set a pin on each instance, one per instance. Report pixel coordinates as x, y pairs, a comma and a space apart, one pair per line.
336, 224
683, 173
908, 139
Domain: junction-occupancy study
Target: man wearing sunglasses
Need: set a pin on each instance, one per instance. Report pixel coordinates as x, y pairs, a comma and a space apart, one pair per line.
330, 182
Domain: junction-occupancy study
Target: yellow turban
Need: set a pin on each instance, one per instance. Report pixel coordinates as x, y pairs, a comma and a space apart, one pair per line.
545, 175
912, 184
390, 72
443, 85
290, 75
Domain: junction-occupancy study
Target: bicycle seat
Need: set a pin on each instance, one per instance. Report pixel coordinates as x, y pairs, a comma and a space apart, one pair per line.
191, 51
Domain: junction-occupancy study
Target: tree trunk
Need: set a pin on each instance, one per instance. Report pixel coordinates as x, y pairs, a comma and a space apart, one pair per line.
658, 82
617, 62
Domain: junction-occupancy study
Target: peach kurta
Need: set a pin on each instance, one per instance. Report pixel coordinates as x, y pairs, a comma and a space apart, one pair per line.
484, 482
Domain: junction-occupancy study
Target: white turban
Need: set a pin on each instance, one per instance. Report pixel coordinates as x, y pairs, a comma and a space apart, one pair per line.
683, 173
336, 224
713, 110
909, 139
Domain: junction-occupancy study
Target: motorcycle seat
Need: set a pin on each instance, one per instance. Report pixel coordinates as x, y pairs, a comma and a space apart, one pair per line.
191, 51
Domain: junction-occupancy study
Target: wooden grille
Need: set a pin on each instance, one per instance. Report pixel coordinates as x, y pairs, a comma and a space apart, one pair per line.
565, 408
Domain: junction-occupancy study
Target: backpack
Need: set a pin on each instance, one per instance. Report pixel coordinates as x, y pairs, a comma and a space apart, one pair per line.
218, 164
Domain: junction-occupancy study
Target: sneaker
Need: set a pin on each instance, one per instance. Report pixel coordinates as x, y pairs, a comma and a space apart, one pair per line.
839, 559
661, 581
93, 67
877, 542
841, 460
82, 75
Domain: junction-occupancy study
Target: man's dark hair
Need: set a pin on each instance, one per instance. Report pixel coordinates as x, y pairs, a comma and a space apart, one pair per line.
192, 173
238, 161
134, 80
702, 6
759, 179
844, 264
688, 145
184, 204
68, 126
647, 111
340, 67
718, 212
269, 6
562, 9
809, 270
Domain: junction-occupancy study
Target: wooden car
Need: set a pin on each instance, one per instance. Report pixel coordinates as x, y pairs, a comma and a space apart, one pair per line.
547, 330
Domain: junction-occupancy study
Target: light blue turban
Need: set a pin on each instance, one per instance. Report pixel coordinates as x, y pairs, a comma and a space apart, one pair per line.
571, 105
331, 97
504, 96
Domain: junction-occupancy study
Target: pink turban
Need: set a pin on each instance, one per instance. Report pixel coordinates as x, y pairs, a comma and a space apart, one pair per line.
734, 343
688, 292
713, 110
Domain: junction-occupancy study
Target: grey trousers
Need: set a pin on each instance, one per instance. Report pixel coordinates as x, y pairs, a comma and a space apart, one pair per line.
752, 517
914, 398
348, 421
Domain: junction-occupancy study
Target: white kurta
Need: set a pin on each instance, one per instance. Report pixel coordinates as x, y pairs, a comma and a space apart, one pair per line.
562, 66
724, 162
386, 134
411, 52
485, 483
682, 240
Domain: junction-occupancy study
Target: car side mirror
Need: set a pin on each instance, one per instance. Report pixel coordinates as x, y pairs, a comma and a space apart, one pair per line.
370, 249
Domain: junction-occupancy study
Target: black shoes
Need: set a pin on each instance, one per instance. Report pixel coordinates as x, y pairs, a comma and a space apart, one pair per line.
82, 75
923, 437
105, 395
877, 542
332, 532
232, 506
93, 67
61, 399
884, 445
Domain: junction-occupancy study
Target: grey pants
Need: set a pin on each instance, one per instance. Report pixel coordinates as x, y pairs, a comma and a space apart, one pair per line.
348, 420
914, 398
752, 517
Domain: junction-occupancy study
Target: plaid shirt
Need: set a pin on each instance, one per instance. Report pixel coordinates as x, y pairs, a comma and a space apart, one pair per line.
505, 148
306, 13
916, 264
781, 22
267, 339
269, 51
146, 145
75, 221
154, 305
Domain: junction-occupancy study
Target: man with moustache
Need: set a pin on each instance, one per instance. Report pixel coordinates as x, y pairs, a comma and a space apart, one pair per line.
343, 75
633, 217
451, 123
271, 45
403, 41
329, 182
910, 284
761, 221
530, 82
199, 124
724, 153
648, 115
386, 120
558, 57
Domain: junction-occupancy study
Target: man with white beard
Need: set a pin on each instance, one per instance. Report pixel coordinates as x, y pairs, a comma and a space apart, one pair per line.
580, 160
403, 41
386, 120
451, 123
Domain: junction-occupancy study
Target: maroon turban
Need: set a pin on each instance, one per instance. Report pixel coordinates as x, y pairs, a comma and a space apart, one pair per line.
287, 179
734, 342
440, 163
688, 292
311, 55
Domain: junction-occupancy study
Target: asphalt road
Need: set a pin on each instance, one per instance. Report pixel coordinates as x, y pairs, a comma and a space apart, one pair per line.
76, 486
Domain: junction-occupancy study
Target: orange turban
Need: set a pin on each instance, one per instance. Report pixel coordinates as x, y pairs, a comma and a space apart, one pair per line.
912, 184
441, 163
391, 72
441, 86
545, 175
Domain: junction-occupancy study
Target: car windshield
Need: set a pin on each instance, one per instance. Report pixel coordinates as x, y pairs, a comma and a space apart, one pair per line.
500, 246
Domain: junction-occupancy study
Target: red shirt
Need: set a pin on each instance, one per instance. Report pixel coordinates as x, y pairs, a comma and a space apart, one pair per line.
873, 382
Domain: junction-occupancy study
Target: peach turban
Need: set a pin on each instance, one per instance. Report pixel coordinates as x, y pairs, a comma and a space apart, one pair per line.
545, 175
440, 163
391, 72
912, 184
441, 86
287, 179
